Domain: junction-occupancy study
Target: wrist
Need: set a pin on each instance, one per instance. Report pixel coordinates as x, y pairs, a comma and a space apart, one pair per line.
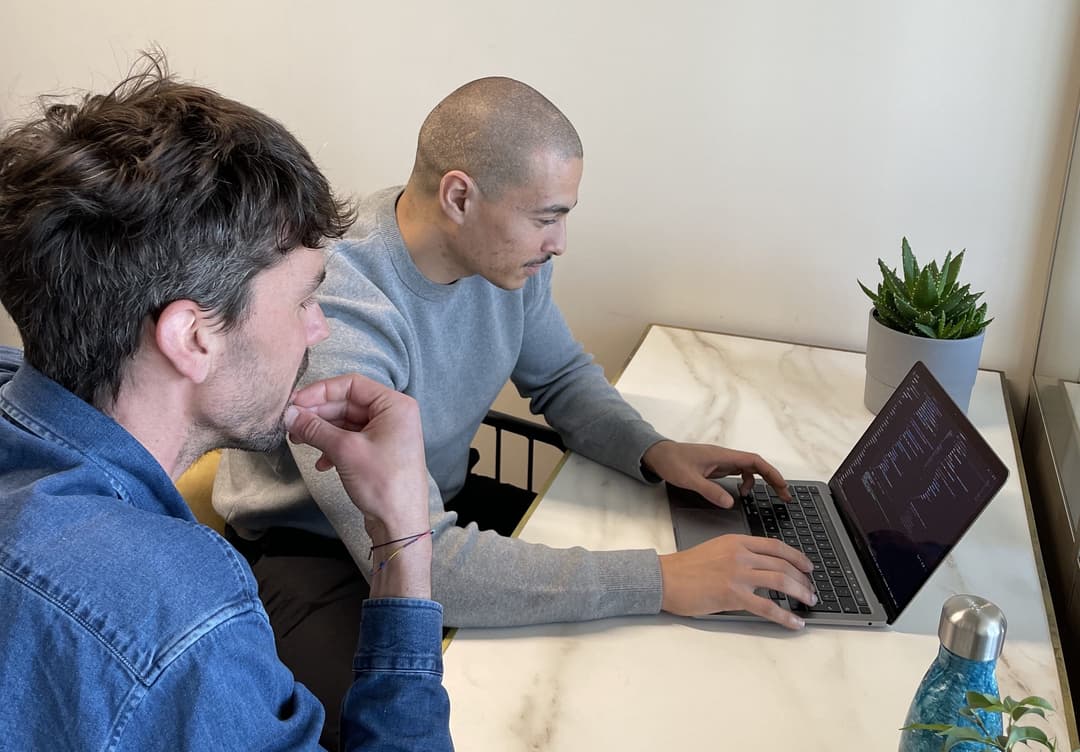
653, 457
404, 574
382, 531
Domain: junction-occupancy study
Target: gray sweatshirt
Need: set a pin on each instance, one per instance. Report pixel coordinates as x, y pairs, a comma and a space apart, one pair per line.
452, 348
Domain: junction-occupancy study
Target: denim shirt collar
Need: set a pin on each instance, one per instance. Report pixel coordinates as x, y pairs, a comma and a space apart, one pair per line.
44, 408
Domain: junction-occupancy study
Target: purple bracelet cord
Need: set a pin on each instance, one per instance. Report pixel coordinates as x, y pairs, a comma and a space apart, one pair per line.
411, 540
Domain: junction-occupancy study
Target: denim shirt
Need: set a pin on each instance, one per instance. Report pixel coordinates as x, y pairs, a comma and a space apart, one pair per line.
127, 625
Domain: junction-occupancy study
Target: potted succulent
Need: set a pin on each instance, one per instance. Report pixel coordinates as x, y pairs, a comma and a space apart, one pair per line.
925, 315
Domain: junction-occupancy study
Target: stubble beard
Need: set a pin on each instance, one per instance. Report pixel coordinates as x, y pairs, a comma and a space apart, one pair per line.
271, 437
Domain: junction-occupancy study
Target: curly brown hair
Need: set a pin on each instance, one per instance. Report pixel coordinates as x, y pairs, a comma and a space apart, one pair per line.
116, 205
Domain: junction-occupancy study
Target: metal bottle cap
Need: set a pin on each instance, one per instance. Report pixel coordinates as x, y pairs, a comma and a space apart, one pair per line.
972, 627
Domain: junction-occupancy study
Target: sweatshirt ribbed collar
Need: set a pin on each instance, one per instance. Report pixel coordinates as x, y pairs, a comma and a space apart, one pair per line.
406, 268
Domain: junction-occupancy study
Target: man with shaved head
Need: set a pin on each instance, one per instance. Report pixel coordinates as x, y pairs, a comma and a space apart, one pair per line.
443, 291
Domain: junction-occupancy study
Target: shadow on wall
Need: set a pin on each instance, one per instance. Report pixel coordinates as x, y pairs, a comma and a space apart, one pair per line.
9, 335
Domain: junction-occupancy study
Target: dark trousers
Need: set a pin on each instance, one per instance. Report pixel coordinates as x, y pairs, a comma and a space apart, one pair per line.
312, 591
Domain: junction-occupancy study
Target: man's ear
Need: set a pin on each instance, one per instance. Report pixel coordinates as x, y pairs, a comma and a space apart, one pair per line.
457, 195
185, 336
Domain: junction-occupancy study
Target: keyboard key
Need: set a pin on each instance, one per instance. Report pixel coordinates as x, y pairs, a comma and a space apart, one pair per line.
849, 606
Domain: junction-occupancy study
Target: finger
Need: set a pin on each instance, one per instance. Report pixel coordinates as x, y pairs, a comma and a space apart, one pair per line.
341, 414
796, 588
776, 564
351, 387
748, 481
748, 464
339, 411
714, 492
773, 477
765, 608
780, 550
305, 427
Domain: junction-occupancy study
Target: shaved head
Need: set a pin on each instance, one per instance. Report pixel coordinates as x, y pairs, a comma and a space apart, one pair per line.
491, 129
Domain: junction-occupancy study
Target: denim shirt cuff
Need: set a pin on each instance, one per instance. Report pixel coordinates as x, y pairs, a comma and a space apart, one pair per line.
400, 634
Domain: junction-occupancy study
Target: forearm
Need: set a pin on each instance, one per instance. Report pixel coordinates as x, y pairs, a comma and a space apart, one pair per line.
487, 580
397, 701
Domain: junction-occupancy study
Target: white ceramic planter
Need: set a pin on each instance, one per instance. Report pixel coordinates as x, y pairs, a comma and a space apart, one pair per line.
891, 354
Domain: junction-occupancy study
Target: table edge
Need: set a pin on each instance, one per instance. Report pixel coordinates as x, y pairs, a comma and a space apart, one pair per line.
1048, 603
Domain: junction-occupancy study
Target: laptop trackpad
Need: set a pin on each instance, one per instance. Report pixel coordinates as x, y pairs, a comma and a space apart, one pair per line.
694, 526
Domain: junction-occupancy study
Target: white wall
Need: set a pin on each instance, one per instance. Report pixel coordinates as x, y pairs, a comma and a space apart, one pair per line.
745, 161
1059, 349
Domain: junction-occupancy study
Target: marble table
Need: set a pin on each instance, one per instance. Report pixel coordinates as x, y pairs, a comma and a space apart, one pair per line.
667, 683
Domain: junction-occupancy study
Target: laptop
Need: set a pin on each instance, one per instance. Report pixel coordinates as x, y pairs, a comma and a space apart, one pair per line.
894, 509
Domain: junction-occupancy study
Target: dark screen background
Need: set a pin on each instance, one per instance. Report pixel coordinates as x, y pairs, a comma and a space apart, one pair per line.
915, 482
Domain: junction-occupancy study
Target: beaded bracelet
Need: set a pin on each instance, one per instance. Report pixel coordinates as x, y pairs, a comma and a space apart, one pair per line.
411, 540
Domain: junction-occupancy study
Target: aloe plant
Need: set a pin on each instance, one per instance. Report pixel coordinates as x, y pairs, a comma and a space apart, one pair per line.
928, 302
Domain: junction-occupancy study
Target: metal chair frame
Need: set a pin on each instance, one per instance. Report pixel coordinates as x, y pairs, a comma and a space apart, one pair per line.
532, 432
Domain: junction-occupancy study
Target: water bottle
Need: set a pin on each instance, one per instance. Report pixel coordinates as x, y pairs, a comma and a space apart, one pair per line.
972, 632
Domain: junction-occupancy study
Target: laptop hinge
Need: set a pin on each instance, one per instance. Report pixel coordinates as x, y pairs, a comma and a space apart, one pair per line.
858, 540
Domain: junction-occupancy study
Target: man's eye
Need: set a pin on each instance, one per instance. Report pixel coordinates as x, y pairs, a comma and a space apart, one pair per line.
548, 221
308, 303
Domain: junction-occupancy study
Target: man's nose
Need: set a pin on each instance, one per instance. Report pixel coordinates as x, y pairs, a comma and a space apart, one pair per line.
555, 242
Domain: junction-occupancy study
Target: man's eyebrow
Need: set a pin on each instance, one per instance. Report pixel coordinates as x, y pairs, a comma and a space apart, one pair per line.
554, 209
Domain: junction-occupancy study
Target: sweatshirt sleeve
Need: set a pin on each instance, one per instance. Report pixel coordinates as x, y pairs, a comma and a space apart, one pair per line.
563, 383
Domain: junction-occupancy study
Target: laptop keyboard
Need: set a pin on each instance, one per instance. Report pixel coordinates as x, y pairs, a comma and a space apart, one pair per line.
804, 524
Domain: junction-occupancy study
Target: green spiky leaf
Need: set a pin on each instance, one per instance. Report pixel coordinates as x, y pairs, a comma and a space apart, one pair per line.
951, 268
872, 295
911, 266
924, 296
889, 279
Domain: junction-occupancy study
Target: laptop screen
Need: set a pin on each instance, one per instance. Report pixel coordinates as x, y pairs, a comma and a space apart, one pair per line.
913, 484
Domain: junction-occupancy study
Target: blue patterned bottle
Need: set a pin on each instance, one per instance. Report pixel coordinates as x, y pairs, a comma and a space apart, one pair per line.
972, 632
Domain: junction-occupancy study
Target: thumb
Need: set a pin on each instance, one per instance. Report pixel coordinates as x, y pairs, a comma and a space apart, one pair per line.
714, 492
305, 427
